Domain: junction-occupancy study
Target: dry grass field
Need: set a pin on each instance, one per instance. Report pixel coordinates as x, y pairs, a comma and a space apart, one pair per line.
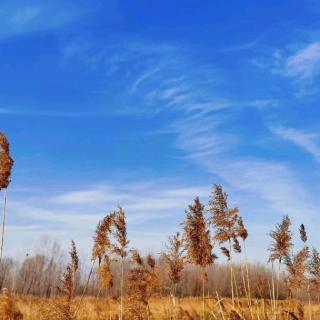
33, 308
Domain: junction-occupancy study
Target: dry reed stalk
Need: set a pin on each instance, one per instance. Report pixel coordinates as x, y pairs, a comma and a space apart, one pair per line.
141, 282
279, 249
297, 266
220, 307
226, 225
175, 259
120, 249
314, 269
62, 308
6, 163
101, 247
102, 241
198, 241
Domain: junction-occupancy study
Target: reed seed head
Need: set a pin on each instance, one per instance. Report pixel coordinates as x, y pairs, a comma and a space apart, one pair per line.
303, 233
197, 235
175, 257
281, 240
297, 267
6, 162
102, 241
225, 220
120, 233
105, 274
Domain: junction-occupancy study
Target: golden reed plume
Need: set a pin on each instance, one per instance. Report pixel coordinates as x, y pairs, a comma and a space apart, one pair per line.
6, 163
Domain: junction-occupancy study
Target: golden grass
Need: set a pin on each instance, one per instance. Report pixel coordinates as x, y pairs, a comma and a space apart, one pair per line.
187, 308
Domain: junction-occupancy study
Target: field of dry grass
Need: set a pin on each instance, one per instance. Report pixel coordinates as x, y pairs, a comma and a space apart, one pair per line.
187, 308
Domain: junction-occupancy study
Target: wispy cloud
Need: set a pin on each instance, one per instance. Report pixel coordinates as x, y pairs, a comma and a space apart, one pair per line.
203, 127
303, 65
18, 17
306, 141
142, 78
76, 212
25, 111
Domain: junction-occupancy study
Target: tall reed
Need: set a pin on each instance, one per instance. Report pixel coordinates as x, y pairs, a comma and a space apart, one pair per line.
120, 248
6, 163
141, 282
175, 259
198, 242
279, 249
225, 222
62, 309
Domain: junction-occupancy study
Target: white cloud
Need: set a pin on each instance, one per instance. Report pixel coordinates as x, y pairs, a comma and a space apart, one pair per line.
306, 141
75, 214
143, 77
26, 15
205, 128
304, 64
18, 17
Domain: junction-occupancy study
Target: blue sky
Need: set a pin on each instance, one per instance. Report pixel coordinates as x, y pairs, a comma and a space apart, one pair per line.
147, 104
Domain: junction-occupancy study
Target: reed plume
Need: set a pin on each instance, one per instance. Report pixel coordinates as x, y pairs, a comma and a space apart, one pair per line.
314, 268
280, 247
226, 226
198, 241
102, 243
105, 274
297, 267
175, 259
281, 240
62, 308
303, 233
6, 163
120, 249
141, 282
242, 232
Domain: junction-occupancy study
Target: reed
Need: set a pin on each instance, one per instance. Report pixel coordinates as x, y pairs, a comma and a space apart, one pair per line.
279, 249
198, 242
225, 221
175, 259
62, 307
6, 163
119, 248
141, 282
